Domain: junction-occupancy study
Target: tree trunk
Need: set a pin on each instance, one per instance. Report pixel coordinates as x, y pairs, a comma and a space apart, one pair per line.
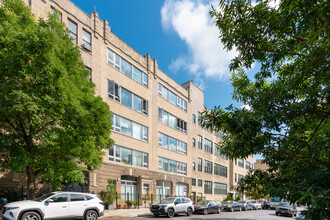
31, 183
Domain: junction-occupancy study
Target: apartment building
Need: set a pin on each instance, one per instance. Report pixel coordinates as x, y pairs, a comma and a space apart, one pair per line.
160, 145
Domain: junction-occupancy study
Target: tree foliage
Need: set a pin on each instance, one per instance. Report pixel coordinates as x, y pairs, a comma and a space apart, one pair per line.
287, 114
52, 126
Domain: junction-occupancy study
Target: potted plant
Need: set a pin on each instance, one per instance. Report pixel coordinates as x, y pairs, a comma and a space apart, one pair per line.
109, 194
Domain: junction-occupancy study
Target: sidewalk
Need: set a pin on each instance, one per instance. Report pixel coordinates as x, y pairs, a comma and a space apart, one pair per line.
127, 213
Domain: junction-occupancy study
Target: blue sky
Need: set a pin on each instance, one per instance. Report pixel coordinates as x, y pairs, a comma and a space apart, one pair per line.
178, 33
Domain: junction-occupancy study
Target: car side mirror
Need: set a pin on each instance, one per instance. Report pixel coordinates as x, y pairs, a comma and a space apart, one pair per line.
175, 203
49, 200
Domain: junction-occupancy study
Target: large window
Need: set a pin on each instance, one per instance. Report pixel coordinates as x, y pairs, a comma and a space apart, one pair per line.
217, 152
239, 177
200, 142
171, 97
127, 98
128, 156
172, 143
208, 145
126, 68
220, 189
172, 166
200, 164
207, 187
200, 183
240, 162
193, 182
220, 170
129, 128
72, 26
207, 166
172, 121
87, 41
247, 165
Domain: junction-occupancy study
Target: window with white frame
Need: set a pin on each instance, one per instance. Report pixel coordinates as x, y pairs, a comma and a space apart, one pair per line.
172, 121
240, 162
129, 128
200, 164
194, 118
220, 189
199, 141
207, 187
127, 98
171, 97
128, 156
87, 40
193, 166
217, 152
200, 183
172, 143
72, 26
172, 166
208, 146
220, 170
126, 68
207, 166
194, 142
247, 165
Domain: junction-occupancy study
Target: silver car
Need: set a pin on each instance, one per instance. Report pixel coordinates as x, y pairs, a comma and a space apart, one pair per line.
173, 205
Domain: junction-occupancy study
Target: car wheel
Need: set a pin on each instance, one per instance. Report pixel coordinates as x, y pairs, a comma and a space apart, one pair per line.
189, 212
30, 216
219, 210
205, 212
91, 215
170, 213
276, 213
232, 209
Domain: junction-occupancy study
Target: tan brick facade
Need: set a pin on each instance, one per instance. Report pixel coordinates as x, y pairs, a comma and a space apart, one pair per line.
96, 59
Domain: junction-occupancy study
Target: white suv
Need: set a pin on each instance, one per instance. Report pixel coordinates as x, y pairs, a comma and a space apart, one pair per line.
173, 205
56, 205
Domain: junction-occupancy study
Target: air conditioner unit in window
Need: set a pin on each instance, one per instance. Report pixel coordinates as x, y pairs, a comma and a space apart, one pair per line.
87, 46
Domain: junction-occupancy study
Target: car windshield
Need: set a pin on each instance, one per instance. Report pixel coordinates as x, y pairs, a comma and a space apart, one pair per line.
202, 203
167, 201
284, 204
227, 202
42, 198
242, 201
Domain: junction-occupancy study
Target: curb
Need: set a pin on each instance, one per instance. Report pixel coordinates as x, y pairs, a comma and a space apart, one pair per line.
145, 215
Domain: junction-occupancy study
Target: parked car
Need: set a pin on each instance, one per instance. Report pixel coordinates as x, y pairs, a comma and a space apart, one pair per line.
207, 206
265, 205
285, 208
232, 206
56, 205
246, 205
256, 205
301, 216
173, 205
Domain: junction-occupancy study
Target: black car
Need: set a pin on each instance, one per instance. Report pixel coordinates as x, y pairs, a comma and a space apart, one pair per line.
207, 206
232, 206
284, 208
265, 205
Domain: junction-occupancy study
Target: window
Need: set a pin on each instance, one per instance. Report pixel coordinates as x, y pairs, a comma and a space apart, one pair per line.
194, 142
199, 163
172, 121
172, 166
240, 162
129, 128
30, 3
86, 39
200, 119
194, 118
220, 170
235, 177
220, 189
217, 152
128, 156
240, 177
200, 142
53, 11
200, 183
171, 143
72, 30
207, 166
247, 165
76, 197
171, 97
126, 68
60, 198
207, 187
208, 146
193, 166
193, 182
127, 98
89, 78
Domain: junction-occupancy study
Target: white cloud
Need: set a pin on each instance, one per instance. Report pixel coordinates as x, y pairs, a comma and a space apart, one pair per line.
191, 21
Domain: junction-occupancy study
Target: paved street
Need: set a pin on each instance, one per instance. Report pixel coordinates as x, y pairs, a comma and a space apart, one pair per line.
249, 215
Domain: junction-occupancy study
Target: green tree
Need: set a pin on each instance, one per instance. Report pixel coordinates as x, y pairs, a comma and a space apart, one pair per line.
52, 126
288, 98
